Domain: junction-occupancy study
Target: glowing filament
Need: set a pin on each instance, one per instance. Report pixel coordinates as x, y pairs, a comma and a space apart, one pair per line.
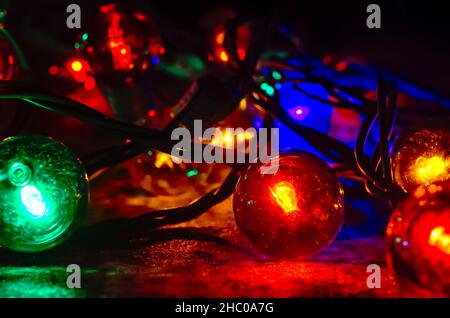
439, 238
225, 139
243, 104
76, 66
223, 56
33, 201
429, 170
285, 195
163, 159
78, 69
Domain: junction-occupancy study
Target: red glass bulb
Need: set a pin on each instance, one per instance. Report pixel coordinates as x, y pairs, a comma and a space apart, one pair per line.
418, 238
122, 40
295, 212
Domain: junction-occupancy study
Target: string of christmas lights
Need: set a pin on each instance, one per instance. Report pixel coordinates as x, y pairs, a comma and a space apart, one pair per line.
298, 211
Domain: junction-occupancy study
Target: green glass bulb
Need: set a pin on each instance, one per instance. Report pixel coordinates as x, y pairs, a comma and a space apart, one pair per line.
44, 193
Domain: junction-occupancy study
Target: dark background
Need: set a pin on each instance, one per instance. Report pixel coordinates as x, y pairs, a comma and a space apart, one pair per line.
413, 41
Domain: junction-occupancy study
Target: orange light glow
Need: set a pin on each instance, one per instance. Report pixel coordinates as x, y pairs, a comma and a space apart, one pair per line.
78, 69
163, 159
249, 135
430, 170
285, 196
76, 66
440, 239
228, 139
220, 37
243, 104
225, 139
223, 56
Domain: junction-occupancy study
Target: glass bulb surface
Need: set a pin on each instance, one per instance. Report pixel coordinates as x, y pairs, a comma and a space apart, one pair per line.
43, 193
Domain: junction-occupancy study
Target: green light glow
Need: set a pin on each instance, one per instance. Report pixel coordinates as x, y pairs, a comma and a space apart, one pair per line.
268, 89
276, 75
195, 63
44, 196
37, 282
33, 201
192, 173
174, 70
85, 36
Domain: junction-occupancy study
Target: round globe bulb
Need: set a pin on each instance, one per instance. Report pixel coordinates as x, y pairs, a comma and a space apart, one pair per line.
421, 155
296, 211
123, 40
43, 193
418, 239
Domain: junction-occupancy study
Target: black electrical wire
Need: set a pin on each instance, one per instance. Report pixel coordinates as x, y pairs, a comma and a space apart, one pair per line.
360, 157
377, 172
156, 219
383, 131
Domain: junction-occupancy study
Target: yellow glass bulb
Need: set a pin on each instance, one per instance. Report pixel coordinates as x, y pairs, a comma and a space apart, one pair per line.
421, 155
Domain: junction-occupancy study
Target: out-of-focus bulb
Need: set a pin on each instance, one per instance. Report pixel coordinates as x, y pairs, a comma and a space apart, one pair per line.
9, 63
121, 39
418, 237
